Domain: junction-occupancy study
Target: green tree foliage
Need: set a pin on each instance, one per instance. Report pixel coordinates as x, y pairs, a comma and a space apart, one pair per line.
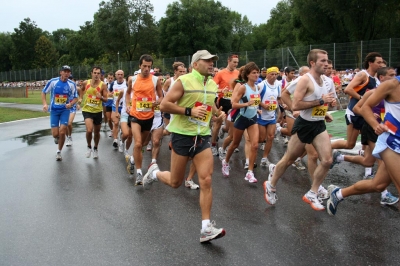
126, 26
241, 32
24, 39
5, 48
46, 54
191, 25
60, 39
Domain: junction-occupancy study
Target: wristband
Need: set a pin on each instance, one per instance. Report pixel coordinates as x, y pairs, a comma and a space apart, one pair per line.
188, 111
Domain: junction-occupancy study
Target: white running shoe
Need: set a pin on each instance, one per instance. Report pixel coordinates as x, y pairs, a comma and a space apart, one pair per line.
271, 169
149, 146
265, 162
190, 184
88, 152
311, 198
95, 154
225, 168
250, 177
323, 193
211, 233
262, 146
121, 146
298, 164
214, 150
68, 141
269, 193
58, 156
221, 153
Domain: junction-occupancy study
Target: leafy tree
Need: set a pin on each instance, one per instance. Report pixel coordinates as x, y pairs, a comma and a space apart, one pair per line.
191, 25
46, 54
5, 48
23, 49
126, 26
60, 39
241, 32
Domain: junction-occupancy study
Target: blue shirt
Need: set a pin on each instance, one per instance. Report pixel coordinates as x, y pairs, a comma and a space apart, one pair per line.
61, 93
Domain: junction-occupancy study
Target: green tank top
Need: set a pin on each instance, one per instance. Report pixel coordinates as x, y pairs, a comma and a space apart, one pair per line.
92, 103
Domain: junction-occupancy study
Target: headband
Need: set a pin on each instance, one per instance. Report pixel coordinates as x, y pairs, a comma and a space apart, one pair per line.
272, 69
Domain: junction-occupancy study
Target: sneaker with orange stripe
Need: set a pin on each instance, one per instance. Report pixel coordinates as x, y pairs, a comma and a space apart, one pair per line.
311, 198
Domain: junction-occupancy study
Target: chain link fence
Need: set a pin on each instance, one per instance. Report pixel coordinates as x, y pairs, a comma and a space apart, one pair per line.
343, 55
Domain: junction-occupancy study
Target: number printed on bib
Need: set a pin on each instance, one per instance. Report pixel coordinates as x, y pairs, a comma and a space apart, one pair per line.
319, 112
272, 104
93, 101
206, 119
157, 109
256, 98
228, 94
60, 99
144, 104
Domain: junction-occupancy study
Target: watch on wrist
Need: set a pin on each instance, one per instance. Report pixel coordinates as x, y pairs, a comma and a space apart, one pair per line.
321, 101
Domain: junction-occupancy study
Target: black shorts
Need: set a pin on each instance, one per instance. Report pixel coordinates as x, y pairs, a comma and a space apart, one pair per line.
96, 117
108, 108
355, 120
145, 125
307, 130
184, 145
368, 134
242, 122
225, 103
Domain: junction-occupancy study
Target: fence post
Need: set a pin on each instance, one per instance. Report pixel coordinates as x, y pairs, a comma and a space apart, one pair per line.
334, 55
246, 58
163, 64
390, 51
361, 56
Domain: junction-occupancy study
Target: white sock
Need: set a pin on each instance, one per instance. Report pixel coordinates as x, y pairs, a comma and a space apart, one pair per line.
383, 194
340, 158
249, 171
247, 160
58, 150
155, 174
339, 194
115, 140
153, 161
139, 171
368, 171
132, 161
204, 224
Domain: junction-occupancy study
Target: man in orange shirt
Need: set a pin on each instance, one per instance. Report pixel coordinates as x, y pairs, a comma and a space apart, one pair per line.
223, 78
140, 107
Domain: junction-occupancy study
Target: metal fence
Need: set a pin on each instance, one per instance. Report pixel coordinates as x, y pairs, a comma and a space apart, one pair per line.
343, 55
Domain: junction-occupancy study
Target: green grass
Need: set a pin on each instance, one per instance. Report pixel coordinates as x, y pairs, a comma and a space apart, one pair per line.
12, 114
338, 127
34, 97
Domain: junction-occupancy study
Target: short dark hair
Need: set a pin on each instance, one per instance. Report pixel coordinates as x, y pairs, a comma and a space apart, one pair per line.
289, 69
329, 62
250, 66
110, 74
370, 58
383, 71
96, 67
145, 57
232, 56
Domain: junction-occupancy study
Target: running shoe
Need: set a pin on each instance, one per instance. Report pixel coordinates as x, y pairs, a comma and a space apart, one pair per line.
361, 152
149, 146
59, 158
221, 153
131, 165
127, 156
333, 201
148, 178
262, 146
190, 184
225, 168
115, 144
221, 133
214, 150
298, 164
236, 150
335, 156
68, 141
250, 177
285, 140
277, 129
271, 169
323, 193
211, 233
264, 162
389, 199
139, 179
312, 198
56, 140
370, 176
269, 193
88, 152
95, 153
246, 166
121, 146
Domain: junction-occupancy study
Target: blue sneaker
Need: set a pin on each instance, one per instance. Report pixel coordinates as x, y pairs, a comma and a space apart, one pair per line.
389, 199
335, 155
333, 201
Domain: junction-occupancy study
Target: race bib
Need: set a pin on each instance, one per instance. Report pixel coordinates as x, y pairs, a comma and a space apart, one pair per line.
319, 112
202, 121
157, 109
382, 114
60, 99
256, 98
272, 104
93, 101
228, 94
144, 104
393, 140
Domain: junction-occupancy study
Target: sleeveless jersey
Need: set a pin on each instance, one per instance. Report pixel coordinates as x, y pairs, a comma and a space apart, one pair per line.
269, 95
117, 88
92, 104
370, 84
250, 111
144, 93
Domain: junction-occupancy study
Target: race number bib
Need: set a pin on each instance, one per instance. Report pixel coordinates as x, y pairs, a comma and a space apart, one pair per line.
60, 99
93, 101
272, 104
256, 98
202, 121
144, 104
157, 109
319, 112
228, 94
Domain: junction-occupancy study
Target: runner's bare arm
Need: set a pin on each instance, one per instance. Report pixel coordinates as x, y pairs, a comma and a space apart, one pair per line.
128, 95
159, 92
357, 107
285, 97
237, 95
358, 79
166, 85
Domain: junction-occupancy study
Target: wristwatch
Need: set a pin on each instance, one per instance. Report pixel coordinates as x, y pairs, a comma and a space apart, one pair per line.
321, 101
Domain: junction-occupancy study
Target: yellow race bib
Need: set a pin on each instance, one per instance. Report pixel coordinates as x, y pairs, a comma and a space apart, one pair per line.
319, 112
144, 104
60, 99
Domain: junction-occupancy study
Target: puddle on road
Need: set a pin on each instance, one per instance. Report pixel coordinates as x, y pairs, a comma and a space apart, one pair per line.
7, 146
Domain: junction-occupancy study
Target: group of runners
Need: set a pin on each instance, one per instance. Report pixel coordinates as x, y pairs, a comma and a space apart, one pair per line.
198, 108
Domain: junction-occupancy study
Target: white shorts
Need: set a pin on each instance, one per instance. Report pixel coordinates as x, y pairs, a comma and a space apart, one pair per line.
124, 117
157, 122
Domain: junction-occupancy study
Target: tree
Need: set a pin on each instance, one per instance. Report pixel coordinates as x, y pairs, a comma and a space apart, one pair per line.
191, 25
60, 40
5, 48
241, 31
46, 54
23, 49
126, 26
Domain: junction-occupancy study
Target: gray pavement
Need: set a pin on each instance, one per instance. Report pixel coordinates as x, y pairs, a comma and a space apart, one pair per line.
83, 211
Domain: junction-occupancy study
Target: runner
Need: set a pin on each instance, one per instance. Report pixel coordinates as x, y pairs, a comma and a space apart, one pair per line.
63, 96
140, 107
116, 87
107, 106
95, 92
311, 97
191, 101
387, 145
247, 99
68, 138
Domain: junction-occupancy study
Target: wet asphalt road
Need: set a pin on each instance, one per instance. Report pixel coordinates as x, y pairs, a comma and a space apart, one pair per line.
83, 211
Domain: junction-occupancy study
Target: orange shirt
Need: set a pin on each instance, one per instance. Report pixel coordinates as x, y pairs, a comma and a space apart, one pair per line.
143, 97
224, 78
